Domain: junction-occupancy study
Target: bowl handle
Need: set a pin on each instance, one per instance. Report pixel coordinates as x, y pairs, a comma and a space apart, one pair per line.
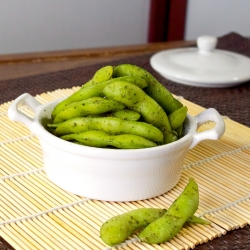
215, 133
16, 115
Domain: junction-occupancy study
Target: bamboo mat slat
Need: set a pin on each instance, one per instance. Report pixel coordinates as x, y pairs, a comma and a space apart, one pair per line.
36, 214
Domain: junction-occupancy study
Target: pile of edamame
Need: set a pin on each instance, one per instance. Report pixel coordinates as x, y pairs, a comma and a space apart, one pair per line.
156, 225
123, 107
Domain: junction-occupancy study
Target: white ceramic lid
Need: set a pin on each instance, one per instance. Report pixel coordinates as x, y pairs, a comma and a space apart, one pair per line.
204, 66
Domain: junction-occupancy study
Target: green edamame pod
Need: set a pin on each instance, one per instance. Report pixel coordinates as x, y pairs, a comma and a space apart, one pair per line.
145, 216
100, 139
167, 226
117, 229
94, 90
172, 225
162, 229
127, 114
97, 89
91, 106
103, 74
188, 201
177, 117
111, 125
113, 235
155, 89
179, 131
136, 99
141, 83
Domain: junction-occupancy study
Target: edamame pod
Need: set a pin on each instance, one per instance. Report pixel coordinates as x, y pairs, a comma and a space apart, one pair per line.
155, 89
103, 74
188, 201
100, 139
177, 117
97, 89
118, 228
162, 229
167, 226
127, 114
111, 125
179, 131
113, 235
136, 99
91, 106
94, 90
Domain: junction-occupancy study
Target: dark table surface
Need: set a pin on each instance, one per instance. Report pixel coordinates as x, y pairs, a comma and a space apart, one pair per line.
42, 72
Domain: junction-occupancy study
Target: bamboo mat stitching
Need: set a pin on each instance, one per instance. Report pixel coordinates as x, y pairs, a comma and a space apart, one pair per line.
16, 139
44, 212
224, 207
21, 174
234, 151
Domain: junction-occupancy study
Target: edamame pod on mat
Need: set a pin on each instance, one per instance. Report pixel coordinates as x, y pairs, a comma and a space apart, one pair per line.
188, 201
155, 89
100, 139
168, 225
91, 106
103, 74
111, 125
118, 228
162, 229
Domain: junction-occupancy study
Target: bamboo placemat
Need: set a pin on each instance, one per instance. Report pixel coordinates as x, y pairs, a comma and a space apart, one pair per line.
36, 214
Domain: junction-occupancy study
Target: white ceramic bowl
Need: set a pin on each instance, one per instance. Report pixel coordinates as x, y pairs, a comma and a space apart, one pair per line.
112, 174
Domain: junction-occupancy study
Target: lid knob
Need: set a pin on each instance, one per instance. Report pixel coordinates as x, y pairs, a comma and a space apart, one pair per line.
206, 44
